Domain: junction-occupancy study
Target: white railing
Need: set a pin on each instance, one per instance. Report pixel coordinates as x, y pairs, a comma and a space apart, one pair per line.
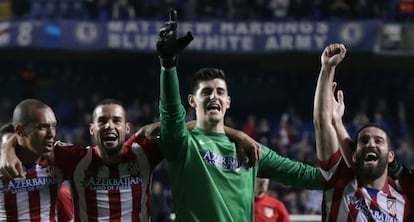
293, 217
305, 218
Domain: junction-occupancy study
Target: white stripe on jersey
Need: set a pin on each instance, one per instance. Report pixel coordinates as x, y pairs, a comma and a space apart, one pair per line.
45, 204
2, 203
102, 195
23, 207
327, 175
79, 172
349, 189
125, 195
21, 189
391, 207
146, 175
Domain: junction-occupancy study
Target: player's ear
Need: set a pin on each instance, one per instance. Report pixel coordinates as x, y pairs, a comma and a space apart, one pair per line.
127, 127
391, 156
91, 129
228, 102
19, 129
191, 100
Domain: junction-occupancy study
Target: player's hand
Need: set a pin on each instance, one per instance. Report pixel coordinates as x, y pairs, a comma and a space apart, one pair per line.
10, 165
397, 169
338, 104
168, 46
149, 131
333, 54
249, 151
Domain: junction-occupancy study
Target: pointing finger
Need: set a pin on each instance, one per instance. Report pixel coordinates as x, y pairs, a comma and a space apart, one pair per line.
173, 15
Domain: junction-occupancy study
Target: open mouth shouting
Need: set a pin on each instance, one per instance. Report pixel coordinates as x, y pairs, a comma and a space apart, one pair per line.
109, 139
213, 107
48, 146
371, 157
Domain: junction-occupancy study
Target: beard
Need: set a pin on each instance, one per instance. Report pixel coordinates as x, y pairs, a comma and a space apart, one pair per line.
371, 172
111, 148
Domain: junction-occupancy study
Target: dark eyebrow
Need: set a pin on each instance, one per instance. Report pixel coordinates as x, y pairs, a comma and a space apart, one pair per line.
102, 118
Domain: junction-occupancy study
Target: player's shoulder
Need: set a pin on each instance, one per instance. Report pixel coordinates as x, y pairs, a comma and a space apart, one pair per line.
140, 144
65, 145
136, 142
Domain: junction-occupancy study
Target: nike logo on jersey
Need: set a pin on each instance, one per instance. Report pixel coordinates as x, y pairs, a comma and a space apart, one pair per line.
204, 142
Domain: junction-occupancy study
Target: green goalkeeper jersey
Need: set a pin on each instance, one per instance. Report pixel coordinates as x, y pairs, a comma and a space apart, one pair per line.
208, 182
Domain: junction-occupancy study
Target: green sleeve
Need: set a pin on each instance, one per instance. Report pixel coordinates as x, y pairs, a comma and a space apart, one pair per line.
169, 89
172, 115
289, 172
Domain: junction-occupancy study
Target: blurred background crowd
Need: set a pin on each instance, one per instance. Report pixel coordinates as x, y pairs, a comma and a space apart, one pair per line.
272, 95
390, 10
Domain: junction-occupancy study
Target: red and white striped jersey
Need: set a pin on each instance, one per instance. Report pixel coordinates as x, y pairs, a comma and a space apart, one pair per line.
346, 200
32, 198
118, 192
64, 204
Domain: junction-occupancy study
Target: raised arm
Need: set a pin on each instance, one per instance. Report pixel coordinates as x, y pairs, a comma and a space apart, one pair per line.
326, 138
345, 141
172, 112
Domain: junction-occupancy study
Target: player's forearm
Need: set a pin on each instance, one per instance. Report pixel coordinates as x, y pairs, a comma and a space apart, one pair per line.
10, 165
302, 175
169, 88
235, 135
172, 113
322, 112
9, 146
326, 144
345, 141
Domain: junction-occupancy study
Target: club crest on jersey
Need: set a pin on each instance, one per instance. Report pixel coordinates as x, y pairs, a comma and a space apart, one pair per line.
268, 212
375, 214
392, 207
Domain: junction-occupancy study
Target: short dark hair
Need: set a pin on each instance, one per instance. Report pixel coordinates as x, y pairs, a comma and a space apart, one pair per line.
23, 112
109, 102
106, 102
204, 74
388, 139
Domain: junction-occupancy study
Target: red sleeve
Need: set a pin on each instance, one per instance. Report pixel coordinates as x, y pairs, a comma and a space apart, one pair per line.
66, 156
335, 171
327, 165
150, 147
64, 204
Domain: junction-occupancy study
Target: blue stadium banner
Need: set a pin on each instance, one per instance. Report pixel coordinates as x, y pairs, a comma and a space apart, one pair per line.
210, 36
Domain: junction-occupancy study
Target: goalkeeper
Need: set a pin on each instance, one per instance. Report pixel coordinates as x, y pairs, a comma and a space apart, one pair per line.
208, 181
